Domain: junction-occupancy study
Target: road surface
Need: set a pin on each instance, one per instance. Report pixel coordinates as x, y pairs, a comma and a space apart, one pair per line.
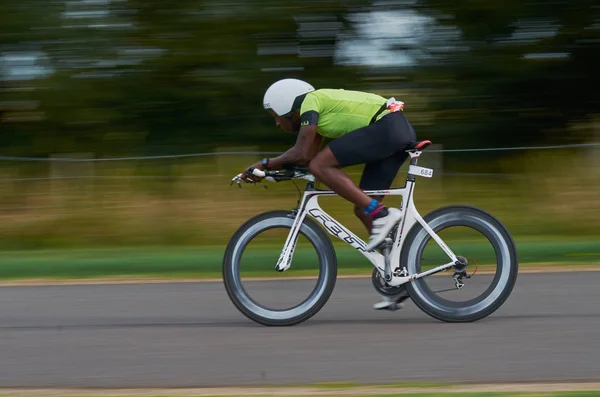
190, 335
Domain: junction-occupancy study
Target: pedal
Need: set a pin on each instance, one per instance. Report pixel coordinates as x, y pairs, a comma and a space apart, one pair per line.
391, 306
391, 303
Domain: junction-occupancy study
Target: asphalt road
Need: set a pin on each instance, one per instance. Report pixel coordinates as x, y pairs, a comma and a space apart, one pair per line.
186, 335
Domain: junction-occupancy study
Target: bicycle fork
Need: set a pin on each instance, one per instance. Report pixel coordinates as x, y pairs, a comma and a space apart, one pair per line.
285, 258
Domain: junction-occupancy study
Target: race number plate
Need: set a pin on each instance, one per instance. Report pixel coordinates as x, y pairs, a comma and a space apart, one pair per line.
420, 171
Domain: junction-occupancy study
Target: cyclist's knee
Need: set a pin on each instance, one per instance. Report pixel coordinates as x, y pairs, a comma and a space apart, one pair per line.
315, 166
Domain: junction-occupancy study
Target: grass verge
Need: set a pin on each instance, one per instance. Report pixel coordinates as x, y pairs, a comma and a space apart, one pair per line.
190, 202
558, 390
173, 262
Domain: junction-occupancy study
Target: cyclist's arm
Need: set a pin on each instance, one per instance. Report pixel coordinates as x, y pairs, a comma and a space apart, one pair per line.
302, 152
314, 149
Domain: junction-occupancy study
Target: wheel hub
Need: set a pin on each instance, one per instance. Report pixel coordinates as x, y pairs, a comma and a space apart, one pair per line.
461, 264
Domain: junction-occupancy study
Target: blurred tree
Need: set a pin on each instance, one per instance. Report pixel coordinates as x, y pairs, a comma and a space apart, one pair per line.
151, 77
519, 74
155, 77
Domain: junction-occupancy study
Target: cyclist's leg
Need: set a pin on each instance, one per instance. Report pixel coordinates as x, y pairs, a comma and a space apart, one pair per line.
327, 168
370, 144
379, 175
365, 145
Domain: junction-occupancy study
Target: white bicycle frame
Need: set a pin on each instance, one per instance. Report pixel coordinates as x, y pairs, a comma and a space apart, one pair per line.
309, 206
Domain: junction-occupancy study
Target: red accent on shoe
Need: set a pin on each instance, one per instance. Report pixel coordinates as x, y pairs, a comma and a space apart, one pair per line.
376, 211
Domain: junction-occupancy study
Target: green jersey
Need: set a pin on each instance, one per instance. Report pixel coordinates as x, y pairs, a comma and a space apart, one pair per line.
336, 112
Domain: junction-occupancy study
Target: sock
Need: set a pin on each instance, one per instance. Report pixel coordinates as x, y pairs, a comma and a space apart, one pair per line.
375, 209
371, 207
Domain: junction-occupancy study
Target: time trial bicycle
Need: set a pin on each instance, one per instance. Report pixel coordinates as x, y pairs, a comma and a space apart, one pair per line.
398, 263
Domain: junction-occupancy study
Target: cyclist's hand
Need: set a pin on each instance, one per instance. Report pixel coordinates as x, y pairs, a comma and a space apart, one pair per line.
247, 175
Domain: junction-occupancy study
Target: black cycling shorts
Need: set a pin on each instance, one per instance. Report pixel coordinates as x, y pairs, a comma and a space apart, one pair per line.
380, 146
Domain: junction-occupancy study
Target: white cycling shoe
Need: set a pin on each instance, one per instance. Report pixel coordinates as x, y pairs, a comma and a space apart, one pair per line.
382, 226
389, 303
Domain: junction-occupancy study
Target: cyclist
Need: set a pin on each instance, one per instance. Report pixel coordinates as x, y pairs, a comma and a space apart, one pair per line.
365, 128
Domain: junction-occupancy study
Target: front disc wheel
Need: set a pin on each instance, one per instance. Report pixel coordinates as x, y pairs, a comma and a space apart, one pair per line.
260, 292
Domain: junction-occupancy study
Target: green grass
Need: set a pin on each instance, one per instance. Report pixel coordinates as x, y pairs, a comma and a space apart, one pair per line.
537, 195
206, 262
490, 394
497, 394
397, 385
432, 394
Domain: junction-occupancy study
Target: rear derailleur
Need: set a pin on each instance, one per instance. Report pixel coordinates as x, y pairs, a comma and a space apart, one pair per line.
460, 272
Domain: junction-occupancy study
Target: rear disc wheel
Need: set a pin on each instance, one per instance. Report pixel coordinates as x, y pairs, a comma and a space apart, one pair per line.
494, 251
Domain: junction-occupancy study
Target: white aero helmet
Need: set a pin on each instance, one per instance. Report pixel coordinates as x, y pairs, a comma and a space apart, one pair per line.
280, 95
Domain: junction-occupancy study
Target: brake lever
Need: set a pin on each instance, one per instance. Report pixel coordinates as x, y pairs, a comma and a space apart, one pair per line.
254, 182
236, 179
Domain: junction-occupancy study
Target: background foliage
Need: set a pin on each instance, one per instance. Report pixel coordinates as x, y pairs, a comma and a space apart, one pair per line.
102, 78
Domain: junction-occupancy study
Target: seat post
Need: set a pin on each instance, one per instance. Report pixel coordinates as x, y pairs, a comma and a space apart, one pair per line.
414, 159
415, 150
